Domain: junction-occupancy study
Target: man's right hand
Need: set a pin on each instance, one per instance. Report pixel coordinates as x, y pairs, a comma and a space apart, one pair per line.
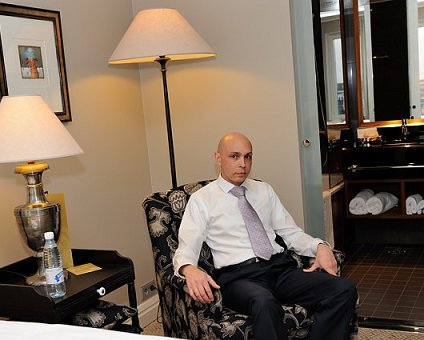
199, 283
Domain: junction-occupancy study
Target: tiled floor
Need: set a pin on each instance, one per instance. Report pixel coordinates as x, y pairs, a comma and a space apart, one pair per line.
390, 281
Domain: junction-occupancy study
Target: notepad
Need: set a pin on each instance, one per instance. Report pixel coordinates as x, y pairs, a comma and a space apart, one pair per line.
84, 269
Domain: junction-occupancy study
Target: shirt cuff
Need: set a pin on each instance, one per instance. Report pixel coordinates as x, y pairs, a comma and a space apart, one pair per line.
326, 243
316, 242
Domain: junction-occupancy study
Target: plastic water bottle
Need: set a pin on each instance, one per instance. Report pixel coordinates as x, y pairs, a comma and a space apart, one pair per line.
55, 281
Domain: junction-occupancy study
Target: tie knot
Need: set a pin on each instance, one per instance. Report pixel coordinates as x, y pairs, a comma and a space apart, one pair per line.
238, 191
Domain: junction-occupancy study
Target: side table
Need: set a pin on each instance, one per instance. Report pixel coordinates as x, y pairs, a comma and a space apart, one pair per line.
21, 302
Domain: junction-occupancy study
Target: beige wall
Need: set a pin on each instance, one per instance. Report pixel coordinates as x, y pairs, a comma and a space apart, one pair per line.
105, 186
248, 87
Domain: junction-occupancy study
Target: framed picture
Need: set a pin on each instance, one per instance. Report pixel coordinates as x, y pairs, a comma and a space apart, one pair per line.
32, 60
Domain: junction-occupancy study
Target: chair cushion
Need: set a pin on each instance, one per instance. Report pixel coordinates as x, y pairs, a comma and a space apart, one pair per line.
103, 314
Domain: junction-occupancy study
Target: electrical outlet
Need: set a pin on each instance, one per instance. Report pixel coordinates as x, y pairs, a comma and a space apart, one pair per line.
148, 290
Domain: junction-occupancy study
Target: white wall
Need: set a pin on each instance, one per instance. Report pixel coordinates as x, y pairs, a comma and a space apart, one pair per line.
249, 87
105, 186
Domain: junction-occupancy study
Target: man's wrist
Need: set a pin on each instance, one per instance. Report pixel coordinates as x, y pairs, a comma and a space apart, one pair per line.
325, 243
184, 268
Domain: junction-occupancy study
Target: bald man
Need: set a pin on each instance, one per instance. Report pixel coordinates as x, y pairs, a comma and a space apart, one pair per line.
251, 284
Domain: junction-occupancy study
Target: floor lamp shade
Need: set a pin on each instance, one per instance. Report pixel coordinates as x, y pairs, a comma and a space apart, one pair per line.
161, 35
160, 32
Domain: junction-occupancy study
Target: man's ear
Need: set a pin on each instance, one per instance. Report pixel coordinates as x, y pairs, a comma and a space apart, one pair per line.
218, 158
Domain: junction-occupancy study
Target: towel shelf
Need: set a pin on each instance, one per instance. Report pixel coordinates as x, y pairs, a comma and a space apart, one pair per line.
401, 188
397, 170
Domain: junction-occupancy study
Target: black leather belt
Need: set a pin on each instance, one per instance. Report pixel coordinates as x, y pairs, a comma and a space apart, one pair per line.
241, 264
249, 261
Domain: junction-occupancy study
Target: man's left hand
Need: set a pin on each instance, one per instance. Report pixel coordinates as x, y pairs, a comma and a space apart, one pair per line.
324, 260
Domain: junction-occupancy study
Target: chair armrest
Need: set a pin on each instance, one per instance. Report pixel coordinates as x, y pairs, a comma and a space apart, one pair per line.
179, 284
211, 310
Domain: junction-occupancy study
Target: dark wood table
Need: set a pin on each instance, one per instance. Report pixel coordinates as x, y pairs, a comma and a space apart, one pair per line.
19, 301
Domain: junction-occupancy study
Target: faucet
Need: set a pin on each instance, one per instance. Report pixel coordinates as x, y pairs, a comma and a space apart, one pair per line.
404, 129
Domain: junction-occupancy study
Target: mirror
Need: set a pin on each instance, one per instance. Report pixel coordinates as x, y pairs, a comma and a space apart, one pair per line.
331, 91
389, 55
384, 60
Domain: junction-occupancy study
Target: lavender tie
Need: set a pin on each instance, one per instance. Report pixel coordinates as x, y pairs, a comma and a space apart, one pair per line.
260, 242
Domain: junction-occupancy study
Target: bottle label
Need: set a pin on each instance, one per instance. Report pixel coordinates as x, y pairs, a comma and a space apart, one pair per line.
54, 275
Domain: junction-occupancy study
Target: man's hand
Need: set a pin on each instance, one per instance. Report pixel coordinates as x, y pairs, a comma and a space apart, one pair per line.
199, 283
324, 260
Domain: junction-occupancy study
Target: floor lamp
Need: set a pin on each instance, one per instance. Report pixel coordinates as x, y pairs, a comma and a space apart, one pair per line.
161, 35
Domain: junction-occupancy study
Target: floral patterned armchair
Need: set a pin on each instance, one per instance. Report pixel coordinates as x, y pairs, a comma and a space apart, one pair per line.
182, 316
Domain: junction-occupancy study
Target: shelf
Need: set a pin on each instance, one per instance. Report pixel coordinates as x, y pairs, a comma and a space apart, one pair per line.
401, 188
397, 170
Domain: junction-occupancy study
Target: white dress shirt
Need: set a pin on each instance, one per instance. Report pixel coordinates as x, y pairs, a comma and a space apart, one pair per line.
212, 215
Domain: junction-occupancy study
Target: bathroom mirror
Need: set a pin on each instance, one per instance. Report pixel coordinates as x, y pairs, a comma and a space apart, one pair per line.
390, 54
332, 63
384, 60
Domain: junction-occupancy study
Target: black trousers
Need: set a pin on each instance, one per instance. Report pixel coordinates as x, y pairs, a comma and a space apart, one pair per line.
260, 288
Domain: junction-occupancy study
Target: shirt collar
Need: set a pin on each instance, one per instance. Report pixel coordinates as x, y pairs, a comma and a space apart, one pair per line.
227, 186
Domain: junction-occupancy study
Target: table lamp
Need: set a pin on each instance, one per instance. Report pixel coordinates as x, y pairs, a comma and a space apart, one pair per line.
31, 131
161, 35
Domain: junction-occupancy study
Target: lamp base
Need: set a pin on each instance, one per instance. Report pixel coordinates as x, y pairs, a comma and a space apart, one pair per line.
34, 220
39, 278
36, 281
37, 215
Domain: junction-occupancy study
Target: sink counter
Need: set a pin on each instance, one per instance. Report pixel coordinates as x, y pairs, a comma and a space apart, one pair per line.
397, 160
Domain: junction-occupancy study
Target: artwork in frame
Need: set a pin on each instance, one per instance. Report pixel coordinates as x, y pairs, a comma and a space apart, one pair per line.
32, 60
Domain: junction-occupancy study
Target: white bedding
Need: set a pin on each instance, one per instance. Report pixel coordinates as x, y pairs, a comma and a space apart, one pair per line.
14, 330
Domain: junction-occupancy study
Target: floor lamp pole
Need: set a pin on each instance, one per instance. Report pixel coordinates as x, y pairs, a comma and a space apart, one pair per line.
162, 61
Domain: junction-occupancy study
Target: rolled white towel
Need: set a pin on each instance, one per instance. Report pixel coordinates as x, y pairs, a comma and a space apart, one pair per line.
357, 205
381, 202
420, 205
412, 203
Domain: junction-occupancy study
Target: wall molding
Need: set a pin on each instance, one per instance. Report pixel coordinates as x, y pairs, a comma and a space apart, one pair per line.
148, 310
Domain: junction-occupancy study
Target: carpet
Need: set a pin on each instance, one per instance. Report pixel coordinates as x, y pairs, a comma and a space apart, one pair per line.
387, 334
155, 328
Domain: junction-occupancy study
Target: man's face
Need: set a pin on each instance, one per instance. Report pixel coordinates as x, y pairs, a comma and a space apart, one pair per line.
234, 157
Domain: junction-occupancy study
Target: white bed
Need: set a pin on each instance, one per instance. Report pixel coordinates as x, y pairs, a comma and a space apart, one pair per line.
14, 330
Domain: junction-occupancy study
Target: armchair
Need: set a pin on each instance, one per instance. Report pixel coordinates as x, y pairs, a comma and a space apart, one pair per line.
182, 316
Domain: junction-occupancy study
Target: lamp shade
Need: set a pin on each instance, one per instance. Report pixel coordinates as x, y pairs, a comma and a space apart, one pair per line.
157, 33
30, 130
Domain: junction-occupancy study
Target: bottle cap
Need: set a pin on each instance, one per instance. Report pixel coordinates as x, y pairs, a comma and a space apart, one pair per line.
48, 235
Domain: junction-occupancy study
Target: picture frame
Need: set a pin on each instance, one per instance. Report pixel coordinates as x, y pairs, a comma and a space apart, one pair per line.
32, 60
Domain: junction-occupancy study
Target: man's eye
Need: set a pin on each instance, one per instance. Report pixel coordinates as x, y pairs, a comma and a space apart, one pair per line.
248, 157
234, 156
